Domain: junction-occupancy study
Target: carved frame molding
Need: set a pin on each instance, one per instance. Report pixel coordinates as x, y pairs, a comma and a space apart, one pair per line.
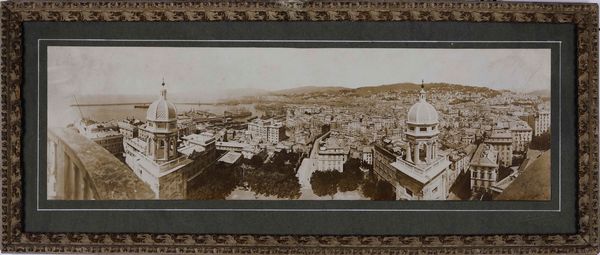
15, 239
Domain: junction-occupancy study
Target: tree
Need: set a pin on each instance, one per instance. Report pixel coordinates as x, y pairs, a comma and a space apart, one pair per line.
541, 142
384, 191
214, 183
275, 178
352, 176
325, 182
273, 183
377, 189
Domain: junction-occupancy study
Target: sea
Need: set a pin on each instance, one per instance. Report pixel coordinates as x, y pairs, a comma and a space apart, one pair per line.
109, 112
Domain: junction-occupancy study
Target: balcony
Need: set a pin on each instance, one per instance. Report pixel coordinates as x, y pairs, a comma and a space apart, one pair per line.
80, 169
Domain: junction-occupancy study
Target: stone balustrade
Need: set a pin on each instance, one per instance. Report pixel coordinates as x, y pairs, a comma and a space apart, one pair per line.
80, 169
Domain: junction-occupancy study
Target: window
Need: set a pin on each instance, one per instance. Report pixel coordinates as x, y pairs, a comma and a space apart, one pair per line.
423, 129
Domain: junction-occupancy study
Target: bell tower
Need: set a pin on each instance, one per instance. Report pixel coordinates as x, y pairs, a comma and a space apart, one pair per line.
162, 126
422, 131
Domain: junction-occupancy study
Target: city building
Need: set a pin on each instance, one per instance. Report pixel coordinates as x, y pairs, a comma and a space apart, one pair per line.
247, 150
538, 121
269, 131
522, 135
201, 149
367, 155
230, 158
383, 157
542, 124
231, 146
129, 128
185, 126
104, 134
460, 160
469, 136
484, 168
154, 156
332, 156
502, 141
419, 172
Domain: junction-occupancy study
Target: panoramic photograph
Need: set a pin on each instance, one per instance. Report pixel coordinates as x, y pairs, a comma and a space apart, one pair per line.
267, 123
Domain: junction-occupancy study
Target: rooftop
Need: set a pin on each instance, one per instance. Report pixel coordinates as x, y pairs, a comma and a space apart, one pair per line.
203, 138
422, 174
520, 125
189, 149
500, 134
230, 157
485, 155
231, 144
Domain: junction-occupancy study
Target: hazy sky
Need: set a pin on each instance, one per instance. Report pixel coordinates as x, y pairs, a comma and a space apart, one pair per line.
209, 72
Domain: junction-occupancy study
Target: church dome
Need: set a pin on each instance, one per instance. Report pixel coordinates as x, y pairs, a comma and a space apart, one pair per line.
422, 112
161, 109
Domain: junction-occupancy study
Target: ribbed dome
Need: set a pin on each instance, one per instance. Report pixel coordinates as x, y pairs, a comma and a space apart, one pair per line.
422, 112
161, 109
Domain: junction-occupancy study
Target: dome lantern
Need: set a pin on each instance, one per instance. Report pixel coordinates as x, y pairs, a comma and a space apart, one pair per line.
422, 112
161, 110
422, 93
163, 91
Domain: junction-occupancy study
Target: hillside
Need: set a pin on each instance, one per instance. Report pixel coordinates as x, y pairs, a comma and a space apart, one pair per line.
540, 93
234, 95
309, 90
397, 87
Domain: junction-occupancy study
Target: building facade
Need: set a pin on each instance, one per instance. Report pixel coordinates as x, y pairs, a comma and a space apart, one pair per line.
367, 155
484, 168
154, 156
104, 134
268, 131
419, 172
502, 141
538, 121
129, 128
201, 149
522, 135
332, 156
542, 122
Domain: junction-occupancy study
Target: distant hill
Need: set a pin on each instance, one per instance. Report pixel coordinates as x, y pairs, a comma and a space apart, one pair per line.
213, 96
428, 86
367, 90
540, 93
309, 90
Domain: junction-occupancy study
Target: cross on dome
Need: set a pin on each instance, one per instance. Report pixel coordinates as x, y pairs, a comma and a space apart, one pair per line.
161, 109
422, 113
163, 91
422, 93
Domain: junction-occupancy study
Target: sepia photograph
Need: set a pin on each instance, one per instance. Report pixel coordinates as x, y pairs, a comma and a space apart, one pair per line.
285, 123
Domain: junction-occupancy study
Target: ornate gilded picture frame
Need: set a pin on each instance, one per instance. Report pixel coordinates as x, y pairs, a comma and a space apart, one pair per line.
137, 194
